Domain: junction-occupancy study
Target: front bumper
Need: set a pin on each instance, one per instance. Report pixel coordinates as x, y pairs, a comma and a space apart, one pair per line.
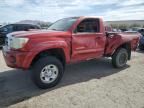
16, 59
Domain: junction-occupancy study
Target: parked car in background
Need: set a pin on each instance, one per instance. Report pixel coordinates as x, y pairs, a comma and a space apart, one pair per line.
4, 30
135, 28
141, 42
141, 31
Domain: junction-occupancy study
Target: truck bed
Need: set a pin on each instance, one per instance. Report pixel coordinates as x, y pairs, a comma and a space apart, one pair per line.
115, 39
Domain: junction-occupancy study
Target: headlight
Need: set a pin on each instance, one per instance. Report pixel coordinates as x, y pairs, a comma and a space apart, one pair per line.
17, 43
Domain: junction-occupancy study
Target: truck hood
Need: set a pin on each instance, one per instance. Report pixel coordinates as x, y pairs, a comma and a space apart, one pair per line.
40, 33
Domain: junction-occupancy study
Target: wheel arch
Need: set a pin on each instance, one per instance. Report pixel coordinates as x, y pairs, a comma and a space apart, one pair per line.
56, 52
127, 46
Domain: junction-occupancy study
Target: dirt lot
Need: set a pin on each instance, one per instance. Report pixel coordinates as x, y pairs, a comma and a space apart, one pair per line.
92, 84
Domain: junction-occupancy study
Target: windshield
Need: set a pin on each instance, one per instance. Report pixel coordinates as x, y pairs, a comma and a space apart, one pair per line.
63, 24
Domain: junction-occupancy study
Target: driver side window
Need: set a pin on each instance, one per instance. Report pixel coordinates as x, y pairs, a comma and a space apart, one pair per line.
88, 26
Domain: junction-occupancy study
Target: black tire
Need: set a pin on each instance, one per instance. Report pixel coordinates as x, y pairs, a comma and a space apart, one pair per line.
120, 58
38, 68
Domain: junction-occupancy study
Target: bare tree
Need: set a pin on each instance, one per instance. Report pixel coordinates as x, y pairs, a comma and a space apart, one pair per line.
115, 26
123, 26
134, 25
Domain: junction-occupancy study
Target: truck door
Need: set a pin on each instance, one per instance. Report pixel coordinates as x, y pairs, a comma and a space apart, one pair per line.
87, 40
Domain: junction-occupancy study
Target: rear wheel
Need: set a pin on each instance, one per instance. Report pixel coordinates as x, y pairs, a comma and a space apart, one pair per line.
47, 72
120, 58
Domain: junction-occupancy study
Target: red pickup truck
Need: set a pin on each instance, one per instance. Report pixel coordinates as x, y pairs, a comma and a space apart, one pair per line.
66, 41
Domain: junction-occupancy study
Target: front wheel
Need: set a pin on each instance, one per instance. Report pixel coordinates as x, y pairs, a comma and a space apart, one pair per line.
120, 58
47, 72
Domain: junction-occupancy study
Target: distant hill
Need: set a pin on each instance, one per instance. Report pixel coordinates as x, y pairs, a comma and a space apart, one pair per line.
32, 22
35, 22
126, 22
123, 22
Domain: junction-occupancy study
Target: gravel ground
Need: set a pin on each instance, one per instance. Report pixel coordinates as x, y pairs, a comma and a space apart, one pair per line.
91, 84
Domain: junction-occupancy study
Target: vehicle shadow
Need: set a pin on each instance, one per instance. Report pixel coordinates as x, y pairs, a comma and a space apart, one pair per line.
140, 51
16, 85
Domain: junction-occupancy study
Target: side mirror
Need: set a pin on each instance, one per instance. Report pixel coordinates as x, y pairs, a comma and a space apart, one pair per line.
75, 31
111, 35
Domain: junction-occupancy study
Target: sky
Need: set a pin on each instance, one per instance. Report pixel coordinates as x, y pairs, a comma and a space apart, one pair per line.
52, 10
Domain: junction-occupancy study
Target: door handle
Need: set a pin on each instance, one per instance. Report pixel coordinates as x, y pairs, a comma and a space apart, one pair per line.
80, 48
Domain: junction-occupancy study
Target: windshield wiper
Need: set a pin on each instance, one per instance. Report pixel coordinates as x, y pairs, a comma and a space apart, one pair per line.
56, 29
53, 29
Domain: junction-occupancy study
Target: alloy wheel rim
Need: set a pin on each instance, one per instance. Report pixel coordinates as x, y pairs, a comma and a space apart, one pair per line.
49, 73
122, 59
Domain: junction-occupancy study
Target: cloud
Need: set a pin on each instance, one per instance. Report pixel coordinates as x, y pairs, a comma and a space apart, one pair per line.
131, 2
125, 13
15, 10
14, 2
